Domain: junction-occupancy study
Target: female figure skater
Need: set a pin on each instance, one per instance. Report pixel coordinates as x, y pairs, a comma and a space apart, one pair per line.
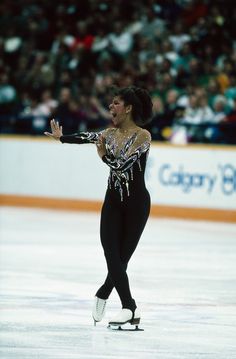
124, 148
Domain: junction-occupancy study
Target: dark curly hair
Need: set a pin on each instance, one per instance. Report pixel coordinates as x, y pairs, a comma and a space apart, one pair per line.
141, 103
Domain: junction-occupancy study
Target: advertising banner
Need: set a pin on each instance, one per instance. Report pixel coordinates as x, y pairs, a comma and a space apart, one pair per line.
193, 177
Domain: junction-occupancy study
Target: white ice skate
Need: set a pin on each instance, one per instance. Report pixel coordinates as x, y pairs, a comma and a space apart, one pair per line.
125, 316
98, 309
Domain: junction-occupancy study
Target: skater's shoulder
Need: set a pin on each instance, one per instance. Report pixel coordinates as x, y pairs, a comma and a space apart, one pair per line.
108, 131
144, 135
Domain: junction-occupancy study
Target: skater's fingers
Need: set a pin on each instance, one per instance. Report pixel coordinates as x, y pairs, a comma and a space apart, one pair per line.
98, 141
48, 134
52, 123
102, 138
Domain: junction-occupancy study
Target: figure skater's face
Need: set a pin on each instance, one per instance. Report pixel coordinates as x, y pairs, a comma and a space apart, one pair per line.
119, 111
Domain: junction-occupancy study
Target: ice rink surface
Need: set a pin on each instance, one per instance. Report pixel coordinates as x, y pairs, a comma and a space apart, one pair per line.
182, 275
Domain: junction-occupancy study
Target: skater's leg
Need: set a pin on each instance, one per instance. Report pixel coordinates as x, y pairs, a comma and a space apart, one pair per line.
134, 222
111, 235
110, 231
105, 290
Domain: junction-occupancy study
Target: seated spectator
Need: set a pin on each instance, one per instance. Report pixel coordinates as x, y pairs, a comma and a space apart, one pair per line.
95, 116
48, 104
153, 26
100, 42
179, 37
228, 126
66, 111
230, 92
83, 38
41, 73
167, 115
231, 116
120, 43
213, 131
8, 93
12, 44
135, 24
172, 111
157, 123
220, 109
197, 112
32, 118
169, 53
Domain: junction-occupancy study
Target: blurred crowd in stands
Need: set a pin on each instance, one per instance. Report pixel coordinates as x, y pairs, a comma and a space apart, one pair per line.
60, 59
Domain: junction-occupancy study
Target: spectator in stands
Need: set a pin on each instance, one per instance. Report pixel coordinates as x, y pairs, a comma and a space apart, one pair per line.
67, 111
47, 104
101, 42
8, 93
231, 116
157, 124
220, 109
198, 112
230, 92
153, 26
32, 118
179, 37
83, 39
8, 99
95, 115
41, 73
120, 43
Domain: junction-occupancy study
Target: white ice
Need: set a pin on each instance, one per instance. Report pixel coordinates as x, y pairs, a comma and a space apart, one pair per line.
182, 275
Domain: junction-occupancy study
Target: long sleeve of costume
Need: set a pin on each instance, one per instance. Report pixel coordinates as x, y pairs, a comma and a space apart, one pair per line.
80, 138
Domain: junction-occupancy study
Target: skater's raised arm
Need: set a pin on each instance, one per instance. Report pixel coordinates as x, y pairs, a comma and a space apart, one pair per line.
79, 138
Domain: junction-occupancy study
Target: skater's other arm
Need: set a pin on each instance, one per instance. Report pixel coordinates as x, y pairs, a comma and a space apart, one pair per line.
101, 142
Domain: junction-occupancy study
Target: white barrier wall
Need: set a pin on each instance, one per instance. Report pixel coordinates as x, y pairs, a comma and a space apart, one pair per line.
48, 168
176, 176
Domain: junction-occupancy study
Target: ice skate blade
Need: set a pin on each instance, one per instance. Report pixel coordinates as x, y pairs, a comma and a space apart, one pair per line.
124, 328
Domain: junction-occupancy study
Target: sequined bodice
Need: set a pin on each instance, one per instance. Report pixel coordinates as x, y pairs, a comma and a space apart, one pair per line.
118, 145
129, 176
125, 155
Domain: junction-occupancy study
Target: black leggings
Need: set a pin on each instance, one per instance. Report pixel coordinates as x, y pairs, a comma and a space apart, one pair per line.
122, 224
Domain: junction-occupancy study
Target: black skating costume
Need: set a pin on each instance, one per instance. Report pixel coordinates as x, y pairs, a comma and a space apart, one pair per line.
126, 206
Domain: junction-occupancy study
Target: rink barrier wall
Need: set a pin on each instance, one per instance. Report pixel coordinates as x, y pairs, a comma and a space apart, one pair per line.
191, 182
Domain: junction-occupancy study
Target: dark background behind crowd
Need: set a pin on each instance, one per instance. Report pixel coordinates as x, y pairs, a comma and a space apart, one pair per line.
60, 59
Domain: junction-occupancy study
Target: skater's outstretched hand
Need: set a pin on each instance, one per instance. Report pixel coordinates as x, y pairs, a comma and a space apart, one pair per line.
101, 146
56, 130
